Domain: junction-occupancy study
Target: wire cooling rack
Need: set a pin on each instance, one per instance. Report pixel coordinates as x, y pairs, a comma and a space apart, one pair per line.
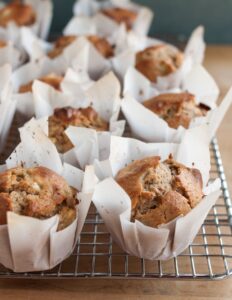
96, 255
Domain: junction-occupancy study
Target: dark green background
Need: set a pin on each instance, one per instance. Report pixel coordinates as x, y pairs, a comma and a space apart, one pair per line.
173, 17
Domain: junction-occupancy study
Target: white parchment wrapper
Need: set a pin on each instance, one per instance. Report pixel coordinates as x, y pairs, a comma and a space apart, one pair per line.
98, 65
45, 66
7, 104
11, 55
81, 54
155, 129
114, 205
119, 37
95, 64
105, 25
44, 12
103, 96
193, 55
30, 244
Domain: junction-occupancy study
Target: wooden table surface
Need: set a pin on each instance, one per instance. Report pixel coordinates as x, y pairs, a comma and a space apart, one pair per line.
219, 63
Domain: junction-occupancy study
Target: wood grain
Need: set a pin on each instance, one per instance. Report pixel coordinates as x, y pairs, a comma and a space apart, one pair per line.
219, 63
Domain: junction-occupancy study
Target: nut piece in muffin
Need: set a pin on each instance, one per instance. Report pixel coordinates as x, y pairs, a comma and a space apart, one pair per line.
101, 44
52, 79
121, 15
158, 61
68, 116
177, 109
160, 191
37, 192
17, 12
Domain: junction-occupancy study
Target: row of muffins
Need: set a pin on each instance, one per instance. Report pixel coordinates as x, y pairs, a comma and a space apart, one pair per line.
177, 110
159, 191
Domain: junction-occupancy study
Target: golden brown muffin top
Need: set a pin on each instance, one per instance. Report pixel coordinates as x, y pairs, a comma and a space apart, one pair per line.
36, 192
2, 44
18, 12
60, 44
68, 116
177, 109
160, 191
160, 60
101, 44
64, 40
52, 79
121, 15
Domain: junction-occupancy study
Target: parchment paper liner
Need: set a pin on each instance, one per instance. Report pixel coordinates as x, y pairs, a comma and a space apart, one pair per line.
30, 244
96, 64
105, 25
193, 55
114, 205
103, 96
45, 66
44, 12
11, 55
119, 37
155, 129
7, 104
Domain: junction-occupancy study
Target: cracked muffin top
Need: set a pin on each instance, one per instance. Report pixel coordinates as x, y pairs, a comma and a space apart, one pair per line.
37, 192
68, 116
158, 61
121, 15
17, 12
101, 44
52, 79
160, 191
177, 109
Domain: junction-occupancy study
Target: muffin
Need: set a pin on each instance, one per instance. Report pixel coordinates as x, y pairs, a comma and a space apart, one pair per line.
177, 109
160, 191
37, 192
68, 116
121, 15
2, 44
158, 61
53, 80
60, 44
17, 12
101, 44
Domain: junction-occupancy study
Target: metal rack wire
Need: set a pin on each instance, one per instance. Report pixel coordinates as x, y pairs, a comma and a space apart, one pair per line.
96, 255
